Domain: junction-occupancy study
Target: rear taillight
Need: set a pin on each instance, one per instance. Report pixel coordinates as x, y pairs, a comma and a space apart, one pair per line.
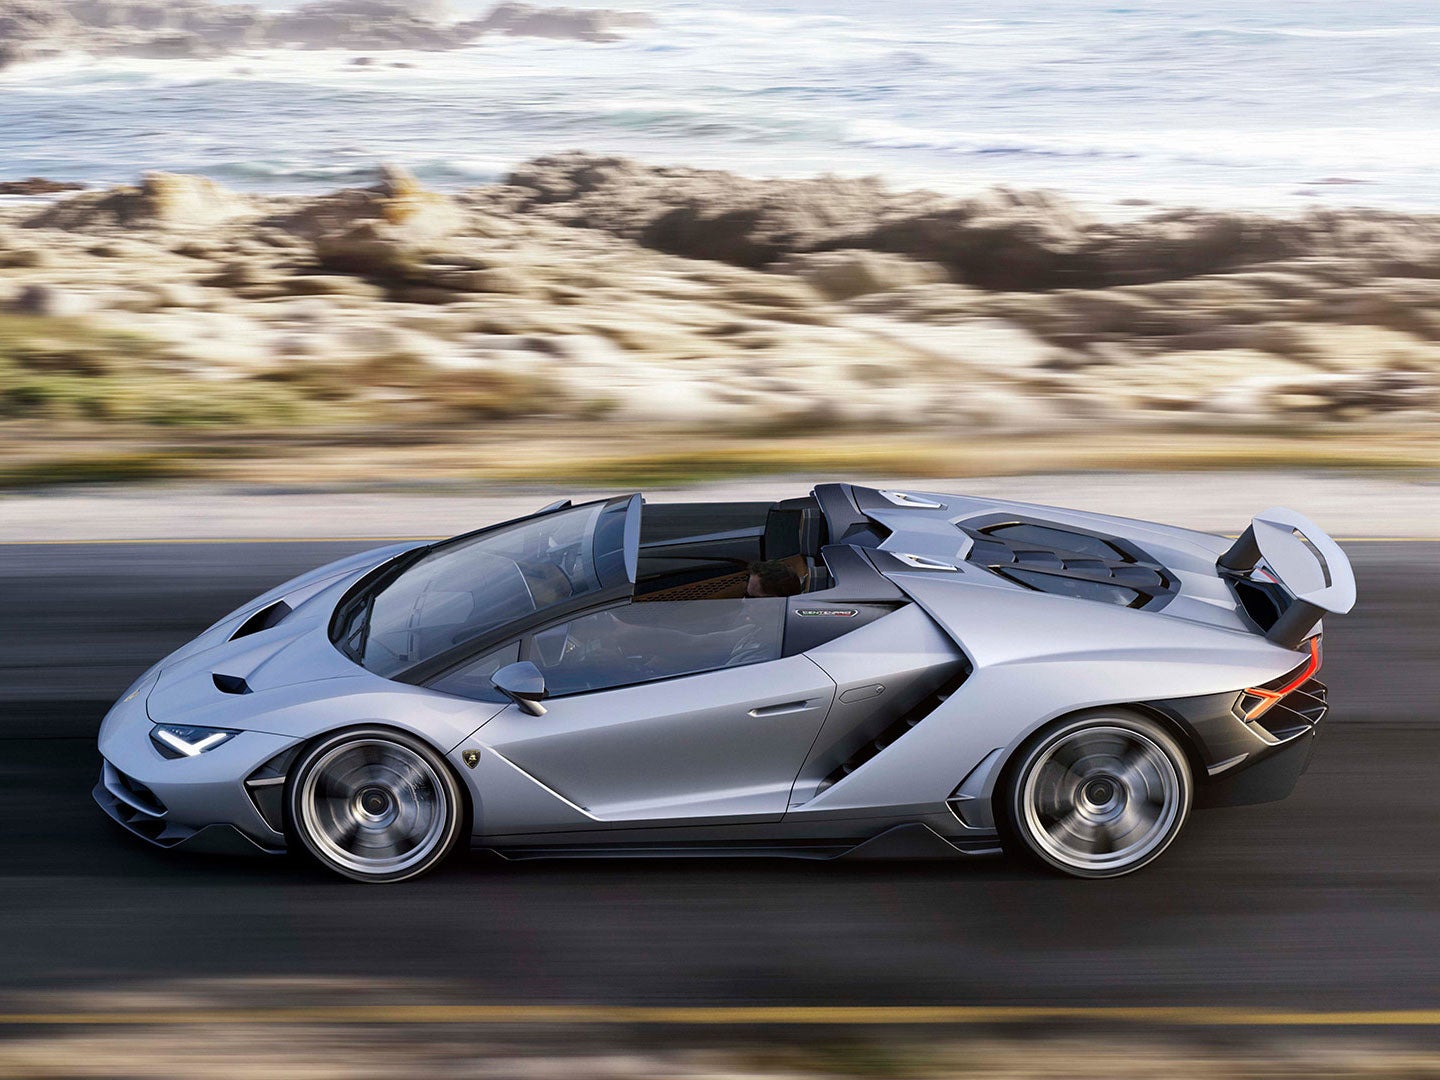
1259, 700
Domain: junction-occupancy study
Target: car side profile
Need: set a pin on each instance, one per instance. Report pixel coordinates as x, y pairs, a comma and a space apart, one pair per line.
856, 673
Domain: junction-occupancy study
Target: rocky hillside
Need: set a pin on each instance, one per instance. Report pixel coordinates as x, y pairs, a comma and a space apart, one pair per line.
187, 29
590, 288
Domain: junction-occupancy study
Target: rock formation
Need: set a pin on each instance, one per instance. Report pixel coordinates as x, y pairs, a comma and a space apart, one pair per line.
573, 24
589, 286
1000, 240
188, 29
37, 185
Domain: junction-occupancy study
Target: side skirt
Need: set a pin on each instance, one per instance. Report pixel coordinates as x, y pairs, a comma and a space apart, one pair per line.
911, 840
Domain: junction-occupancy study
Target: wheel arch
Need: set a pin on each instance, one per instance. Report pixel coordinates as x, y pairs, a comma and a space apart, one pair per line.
298, 753
1005, 771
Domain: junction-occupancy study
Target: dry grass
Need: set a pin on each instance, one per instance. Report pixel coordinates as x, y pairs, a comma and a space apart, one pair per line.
56, 369
685, 461
225, 1039
96, 469
331, 1053
595, 452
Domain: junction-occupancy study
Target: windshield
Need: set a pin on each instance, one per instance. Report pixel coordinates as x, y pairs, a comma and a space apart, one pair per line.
471, 587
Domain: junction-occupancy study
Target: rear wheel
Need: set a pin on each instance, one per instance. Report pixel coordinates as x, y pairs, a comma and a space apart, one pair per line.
1100, 795
375, 805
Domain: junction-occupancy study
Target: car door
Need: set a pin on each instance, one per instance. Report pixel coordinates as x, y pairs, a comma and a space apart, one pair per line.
669, 711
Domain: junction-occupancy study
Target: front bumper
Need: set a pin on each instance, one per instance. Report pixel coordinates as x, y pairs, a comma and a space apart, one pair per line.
149, 820
199, 802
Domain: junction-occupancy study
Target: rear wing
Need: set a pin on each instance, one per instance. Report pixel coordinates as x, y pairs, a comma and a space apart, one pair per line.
1307, 564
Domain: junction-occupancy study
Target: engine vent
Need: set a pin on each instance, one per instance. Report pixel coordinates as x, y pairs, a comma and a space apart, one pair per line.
901, 725
1066, 562
263, 619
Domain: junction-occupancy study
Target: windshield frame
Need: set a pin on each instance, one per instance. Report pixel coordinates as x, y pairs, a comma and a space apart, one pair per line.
614, 553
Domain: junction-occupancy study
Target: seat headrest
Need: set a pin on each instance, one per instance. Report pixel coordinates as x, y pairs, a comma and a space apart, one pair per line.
793, 530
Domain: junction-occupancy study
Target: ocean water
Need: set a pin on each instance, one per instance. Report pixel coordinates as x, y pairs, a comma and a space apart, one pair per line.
1266, 105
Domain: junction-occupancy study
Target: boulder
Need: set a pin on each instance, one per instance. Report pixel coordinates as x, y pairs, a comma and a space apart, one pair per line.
388, 231
703, 213
362, 24
163, 200
34, 21
841, 275
173, 45
50, 301
26, 258
37, 185
574, 24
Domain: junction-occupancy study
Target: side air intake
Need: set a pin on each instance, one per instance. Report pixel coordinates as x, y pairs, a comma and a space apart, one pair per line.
900, 727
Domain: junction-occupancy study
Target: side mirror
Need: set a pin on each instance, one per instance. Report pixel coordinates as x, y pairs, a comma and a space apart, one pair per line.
523, 684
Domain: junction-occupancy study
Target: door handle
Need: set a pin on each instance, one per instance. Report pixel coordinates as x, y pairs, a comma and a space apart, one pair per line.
780, 710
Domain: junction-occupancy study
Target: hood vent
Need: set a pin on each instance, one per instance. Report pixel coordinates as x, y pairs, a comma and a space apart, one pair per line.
263, 619
231, 684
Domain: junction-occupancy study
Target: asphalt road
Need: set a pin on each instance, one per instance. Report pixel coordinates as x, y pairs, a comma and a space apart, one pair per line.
1330, 900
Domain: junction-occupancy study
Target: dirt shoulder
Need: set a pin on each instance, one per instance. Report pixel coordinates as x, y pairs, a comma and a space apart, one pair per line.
1346, 505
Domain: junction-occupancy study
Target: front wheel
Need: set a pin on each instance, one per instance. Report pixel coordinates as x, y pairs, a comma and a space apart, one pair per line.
1099, 796
375, 805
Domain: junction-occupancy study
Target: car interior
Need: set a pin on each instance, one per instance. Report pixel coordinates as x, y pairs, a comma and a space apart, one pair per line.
703, 551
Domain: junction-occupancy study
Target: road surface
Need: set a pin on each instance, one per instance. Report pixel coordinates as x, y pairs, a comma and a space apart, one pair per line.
1330, 900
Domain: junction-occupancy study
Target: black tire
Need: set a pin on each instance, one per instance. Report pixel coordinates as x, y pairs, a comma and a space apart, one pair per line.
374, 805
1098, 795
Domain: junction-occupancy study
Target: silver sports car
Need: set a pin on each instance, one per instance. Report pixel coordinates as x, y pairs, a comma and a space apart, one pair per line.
856, 673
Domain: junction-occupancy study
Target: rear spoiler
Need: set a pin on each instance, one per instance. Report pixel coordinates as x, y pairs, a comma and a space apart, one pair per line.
1307, 564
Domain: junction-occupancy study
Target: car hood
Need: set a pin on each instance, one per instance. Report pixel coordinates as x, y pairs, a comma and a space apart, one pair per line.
294, 650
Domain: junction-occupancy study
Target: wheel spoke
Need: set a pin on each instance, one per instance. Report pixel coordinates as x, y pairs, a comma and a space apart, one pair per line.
1101, 798
410, 776
374, 807
344, 831
1104, 840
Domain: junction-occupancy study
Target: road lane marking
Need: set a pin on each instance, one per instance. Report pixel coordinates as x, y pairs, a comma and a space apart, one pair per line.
111, 541
743, 1015
377, 540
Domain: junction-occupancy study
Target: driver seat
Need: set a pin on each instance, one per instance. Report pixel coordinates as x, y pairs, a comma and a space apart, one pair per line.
794, 535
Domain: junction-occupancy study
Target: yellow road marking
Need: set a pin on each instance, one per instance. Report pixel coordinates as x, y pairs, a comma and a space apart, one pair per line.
227, 540
1205, 1016
426, 539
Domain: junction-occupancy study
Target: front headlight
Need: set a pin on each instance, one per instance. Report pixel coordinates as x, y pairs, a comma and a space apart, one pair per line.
182, 740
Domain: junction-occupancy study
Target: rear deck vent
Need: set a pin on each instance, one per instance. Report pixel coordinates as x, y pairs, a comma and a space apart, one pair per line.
1067, 562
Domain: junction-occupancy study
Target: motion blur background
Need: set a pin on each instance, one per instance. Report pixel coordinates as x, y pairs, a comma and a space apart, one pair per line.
279, 280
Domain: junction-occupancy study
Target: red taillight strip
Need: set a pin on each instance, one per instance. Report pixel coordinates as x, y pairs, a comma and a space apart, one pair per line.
1269, 698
